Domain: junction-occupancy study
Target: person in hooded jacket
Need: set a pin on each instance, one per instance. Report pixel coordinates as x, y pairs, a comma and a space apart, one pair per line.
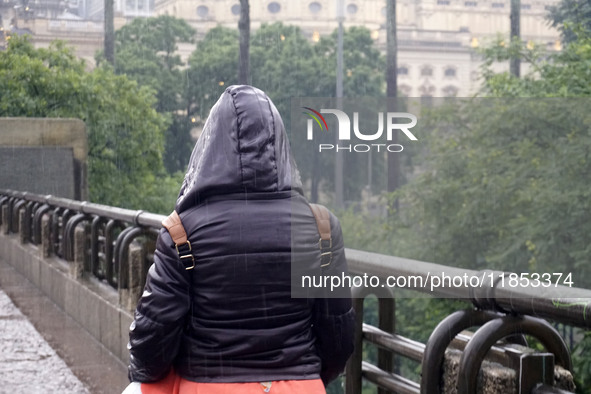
230, 324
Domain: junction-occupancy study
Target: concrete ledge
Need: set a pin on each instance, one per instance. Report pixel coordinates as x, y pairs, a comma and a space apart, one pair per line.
50, 133
90, 303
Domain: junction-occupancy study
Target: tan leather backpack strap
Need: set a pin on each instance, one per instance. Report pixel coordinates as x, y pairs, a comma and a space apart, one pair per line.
322, 216
175, 227
177, 232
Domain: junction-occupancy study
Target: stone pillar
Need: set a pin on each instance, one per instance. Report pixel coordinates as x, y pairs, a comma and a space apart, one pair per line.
511, 369
77, 266
23, 227
136, 258
5, 224
46, 246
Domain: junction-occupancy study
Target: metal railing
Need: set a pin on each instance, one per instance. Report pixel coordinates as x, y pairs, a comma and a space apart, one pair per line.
111, 230
498, 309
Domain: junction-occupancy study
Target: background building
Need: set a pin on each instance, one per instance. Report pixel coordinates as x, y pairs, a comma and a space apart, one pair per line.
436, 38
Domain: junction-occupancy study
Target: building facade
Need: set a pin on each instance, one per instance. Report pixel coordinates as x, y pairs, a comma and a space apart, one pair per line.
436, 38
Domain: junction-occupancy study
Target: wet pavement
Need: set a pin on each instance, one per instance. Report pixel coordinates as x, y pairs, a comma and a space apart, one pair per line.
43, 350
27, 363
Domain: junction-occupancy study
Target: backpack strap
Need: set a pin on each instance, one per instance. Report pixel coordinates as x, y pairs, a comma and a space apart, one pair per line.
179, 236
322, 216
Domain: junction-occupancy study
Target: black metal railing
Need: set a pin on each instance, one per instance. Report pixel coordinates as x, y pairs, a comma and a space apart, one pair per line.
498, 309
110, 231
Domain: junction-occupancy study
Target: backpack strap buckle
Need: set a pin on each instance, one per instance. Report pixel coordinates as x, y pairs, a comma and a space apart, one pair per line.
186, 255
179, 236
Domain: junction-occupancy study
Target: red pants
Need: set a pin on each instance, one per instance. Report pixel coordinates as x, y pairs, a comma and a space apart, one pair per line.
174, 384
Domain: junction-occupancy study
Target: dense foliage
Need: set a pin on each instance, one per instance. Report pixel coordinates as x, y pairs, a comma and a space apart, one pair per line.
124, 130
570, 16
503, 181
146, 50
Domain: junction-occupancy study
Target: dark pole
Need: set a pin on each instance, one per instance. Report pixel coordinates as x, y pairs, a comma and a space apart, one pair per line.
515, 62
109, 32
244, 29
339, 160
392, 90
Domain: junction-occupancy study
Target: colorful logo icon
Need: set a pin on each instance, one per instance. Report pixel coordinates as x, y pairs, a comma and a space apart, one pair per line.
315, 115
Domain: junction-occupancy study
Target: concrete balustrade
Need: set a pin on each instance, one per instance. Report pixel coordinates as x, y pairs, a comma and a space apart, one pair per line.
91, 303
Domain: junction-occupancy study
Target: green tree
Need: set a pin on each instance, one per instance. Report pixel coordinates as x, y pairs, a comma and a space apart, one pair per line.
363, 63
212, 67
504, 181
570, 16
563, 74
147, 51
124, 131
558, 229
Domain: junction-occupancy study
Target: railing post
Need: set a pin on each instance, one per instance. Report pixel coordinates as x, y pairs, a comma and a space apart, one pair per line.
46, 238
386, 322
5, 219
136, 258
77, 266
353, 370
23, 226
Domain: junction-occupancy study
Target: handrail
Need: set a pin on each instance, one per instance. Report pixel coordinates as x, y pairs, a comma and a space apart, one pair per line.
138, 217
561, 304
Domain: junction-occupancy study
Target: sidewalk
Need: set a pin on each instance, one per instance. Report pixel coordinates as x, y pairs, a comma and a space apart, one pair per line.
43, 350
27, 363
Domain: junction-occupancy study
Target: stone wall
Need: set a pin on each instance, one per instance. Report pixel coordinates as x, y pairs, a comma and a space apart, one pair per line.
44, 156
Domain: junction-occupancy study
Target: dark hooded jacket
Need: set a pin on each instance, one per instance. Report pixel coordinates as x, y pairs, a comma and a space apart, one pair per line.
232, 318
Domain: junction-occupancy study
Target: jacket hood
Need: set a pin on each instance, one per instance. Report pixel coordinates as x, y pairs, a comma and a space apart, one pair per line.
243, 149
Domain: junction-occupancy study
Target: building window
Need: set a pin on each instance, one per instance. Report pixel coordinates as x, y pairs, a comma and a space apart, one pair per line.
202, 11
405, 90
402, 70
315, 7
450, 72
450, 91
470, 3
384, 11
498, 5
427, 71
442, 2
236, 9
427, 90
526, 6
274, 7
352, 8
